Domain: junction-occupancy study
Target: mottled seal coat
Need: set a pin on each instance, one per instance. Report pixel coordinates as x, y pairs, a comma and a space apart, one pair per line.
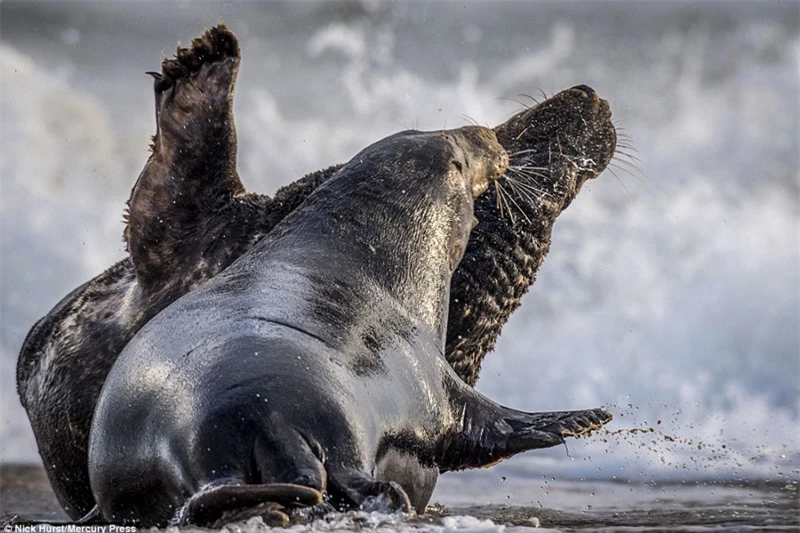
316, 359
556, 146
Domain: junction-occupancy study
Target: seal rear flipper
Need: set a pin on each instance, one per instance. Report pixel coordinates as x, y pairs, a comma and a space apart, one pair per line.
216, 506
487, 432
191, 172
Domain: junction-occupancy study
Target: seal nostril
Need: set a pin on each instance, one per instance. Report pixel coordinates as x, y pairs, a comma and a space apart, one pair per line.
585, 89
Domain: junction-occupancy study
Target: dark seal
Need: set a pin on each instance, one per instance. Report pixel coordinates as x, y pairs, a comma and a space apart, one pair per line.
316, 359
189, 218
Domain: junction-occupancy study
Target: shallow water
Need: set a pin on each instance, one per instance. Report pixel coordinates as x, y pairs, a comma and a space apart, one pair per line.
482, 501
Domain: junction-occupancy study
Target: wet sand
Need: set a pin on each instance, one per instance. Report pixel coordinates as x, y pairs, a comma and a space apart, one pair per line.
25, 495
484, 501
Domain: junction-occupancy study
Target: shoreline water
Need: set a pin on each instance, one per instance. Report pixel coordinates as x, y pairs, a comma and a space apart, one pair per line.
482, 501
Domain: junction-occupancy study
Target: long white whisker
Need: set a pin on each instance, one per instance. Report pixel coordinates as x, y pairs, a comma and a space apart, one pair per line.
521, 191
620, 181
531, 188
531, 176
510, 197
503, 195
615, 165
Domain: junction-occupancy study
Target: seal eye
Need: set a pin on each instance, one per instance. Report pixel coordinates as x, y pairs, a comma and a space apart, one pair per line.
458, 166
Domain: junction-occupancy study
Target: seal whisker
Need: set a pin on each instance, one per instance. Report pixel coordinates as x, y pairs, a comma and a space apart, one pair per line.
530, 170
522, 212
622, 157
502, 195
615, 164
620, 181
544, 94
525, 188
522, 133
525, 195
560, 148
528, 174
628, 162
626, 146
521, 194
531, 175
534, 100
498, 189
525, 171
629, 155
520, 152
397, 118
528, 189
508, 99
469, 119
532, 189
497, 203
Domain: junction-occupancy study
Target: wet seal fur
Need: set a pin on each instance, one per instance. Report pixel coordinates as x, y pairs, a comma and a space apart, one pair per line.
555, 146
316, 359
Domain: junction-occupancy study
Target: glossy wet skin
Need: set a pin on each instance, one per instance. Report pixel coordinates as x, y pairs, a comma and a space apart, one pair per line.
271, 356
316, 358
68, 354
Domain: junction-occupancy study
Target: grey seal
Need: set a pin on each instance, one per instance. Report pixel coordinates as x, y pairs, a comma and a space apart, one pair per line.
315, 361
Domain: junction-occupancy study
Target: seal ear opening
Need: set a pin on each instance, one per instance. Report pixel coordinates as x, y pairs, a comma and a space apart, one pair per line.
216, 506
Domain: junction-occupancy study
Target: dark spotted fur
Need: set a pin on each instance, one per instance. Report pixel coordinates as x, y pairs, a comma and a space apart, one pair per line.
560, 143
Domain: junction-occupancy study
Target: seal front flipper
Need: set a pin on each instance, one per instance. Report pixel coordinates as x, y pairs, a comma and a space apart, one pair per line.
354, 487
487, 433
216, 506
191, 172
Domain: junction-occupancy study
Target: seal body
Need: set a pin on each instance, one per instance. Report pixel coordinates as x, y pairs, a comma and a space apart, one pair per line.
343, 304
316, 359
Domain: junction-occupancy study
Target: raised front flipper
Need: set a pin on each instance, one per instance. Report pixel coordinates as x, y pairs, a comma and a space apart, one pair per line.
192, 169
487, 433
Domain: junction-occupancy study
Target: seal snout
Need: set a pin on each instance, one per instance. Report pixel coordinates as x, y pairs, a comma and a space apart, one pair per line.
501, 165
586, 90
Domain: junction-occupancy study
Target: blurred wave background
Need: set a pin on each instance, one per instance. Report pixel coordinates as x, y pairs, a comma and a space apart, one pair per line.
673, 298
